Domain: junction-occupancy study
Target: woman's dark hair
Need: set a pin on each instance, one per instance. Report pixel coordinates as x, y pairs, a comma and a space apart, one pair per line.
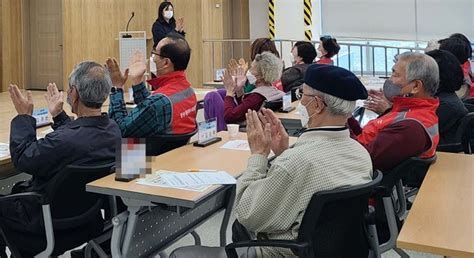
261, 45
306, 51
466, 40
450, 72
330, 45
457, 47
163, 6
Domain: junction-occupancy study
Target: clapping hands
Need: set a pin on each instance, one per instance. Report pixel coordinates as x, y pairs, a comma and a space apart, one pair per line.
265, 132
23, 105
259, 135
118, 79
137, 68
55, 99
180, 24
377, 102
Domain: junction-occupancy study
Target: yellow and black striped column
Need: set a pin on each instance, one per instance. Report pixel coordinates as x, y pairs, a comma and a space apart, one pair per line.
307, 20
271, 19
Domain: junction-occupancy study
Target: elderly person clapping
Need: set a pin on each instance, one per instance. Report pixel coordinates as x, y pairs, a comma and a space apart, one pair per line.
265, 69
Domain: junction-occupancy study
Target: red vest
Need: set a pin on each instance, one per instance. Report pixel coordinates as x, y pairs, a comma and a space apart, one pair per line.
277, 84
177, 88
421, 110
325, 60
466, 68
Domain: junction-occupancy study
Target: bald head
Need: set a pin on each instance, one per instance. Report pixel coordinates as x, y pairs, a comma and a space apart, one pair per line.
175, 48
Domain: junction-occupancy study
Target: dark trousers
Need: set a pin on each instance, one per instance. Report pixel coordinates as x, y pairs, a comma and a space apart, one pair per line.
240, 233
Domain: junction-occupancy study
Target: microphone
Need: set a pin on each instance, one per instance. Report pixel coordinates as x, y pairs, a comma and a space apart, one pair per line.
128, 23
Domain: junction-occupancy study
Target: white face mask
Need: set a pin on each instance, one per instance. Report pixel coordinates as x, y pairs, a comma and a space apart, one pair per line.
304, 116
251, 78
168, 14
319, 54
152, 64
292, 59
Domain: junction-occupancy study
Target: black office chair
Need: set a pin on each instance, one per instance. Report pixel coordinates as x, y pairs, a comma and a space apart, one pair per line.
71, 216
162, 143
274, 105
469, 106
390, 210
334, 225
464, 136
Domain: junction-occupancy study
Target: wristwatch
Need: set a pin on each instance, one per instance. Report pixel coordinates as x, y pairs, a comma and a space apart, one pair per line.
114, 89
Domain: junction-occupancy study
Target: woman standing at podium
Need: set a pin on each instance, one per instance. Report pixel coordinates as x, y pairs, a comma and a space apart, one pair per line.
166, 23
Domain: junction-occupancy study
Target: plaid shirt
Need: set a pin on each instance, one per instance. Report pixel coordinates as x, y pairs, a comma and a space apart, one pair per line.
151, 116
271, 202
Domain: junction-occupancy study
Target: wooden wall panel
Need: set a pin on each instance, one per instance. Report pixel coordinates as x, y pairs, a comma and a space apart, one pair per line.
12, 64
220, 18
190, 10
217, 24
91, 29
241, 27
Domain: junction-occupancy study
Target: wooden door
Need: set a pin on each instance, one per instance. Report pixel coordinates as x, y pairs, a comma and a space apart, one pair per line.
45, 55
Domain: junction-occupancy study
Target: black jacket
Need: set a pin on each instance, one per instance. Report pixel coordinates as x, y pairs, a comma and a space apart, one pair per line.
84, 141
162, 28
450, 111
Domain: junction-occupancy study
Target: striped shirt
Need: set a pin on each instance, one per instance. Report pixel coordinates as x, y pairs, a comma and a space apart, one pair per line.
271, 201
151, 116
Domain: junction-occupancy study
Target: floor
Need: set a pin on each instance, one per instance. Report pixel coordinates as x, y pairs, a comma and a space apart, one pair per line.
209, 233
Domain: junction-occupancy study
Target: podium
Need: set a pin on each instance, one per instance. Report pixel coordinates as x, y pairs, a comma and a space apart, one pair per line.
129, 45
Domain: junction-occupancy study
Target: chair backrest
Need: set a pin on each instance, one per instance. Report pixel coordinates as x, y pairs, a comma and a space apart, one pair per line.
469, 106
162, 143
465, 132
412, 171
71, 205
274, 105
334, 221
464, 135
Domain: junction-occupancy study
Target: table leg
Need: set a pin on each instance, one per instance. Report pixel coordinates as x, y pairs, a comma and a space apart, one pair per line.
226, 218
124, 225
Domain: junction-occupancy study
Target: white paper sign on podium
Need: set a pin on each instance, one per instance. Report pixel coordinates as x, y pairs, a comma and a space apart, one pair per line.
128, 46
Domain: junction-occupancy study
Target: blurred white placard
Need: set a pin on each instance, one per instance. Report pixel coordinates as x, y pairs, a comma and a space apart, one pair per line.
128, 46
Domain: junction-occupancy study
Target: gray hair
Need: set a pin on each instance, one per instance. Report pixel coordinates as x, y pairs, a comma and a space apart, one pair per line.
421, 67
432, 45
92, 82
268, 66
336, 106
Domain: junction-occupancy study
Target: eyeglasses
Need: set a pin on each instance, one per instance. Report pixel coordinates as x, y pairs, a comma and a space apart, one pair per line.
395, 58
299, 94
154, 53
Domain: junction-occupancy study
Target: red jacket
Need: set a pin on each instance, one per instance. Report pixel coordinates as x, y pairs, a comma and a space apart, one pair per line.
466, 68
422, 111
177, 88
325, 60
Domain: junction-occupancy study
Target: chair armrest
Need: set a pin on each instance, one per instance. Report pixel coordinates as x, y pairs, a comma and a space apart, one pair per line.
42, 200
381, 191
301, 247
